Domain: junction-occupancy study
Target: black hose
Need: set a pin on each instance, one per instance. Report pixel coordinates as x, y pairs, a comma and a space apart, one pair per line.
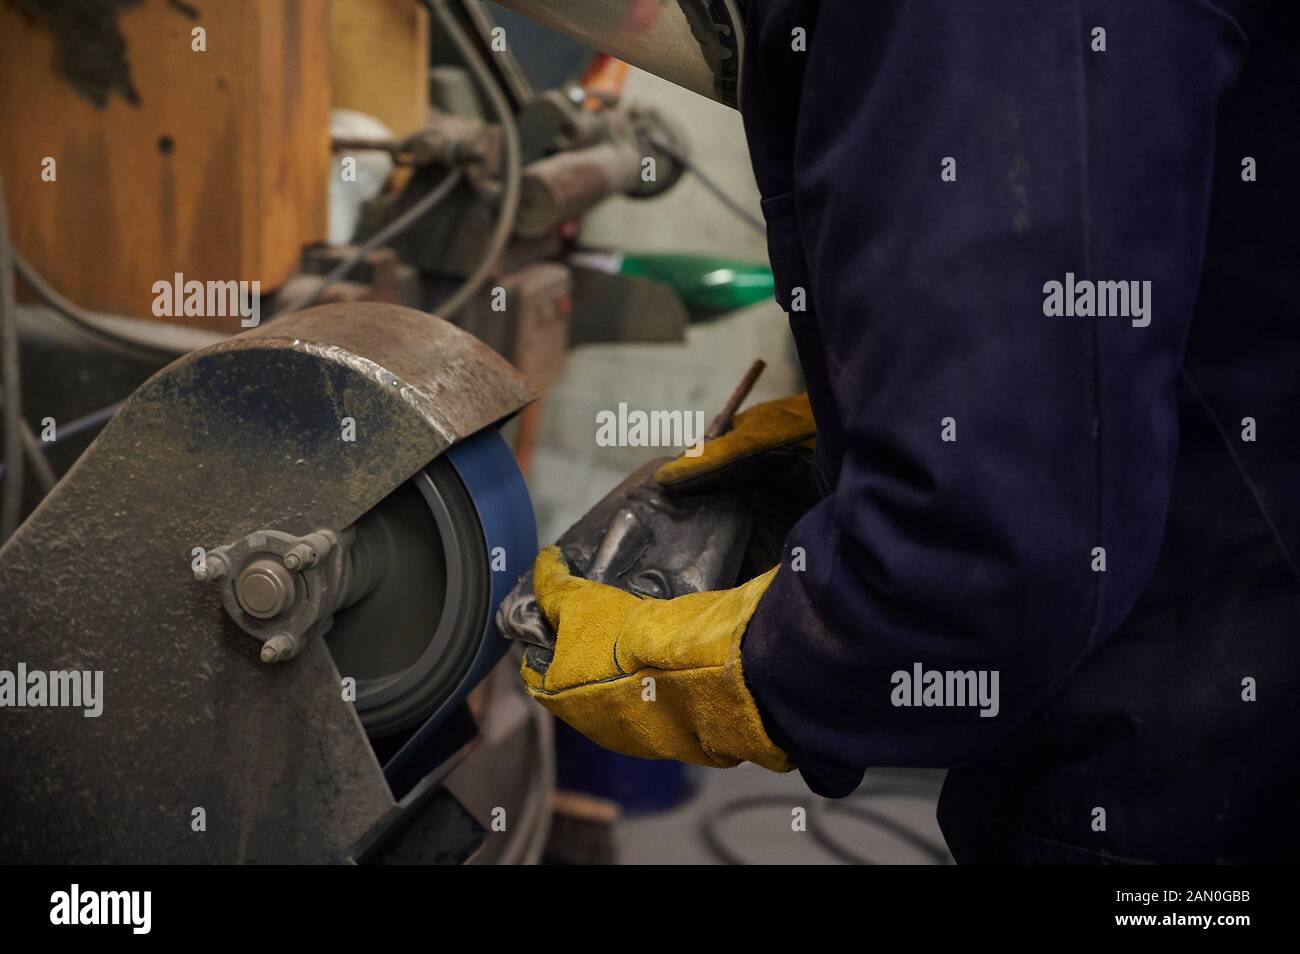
936, 852
514, 168
711, 824
670, 150
98, 326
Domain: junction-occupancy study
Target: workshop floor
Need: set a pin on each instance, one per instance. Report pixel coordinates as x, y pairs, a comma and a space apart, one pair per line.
750, 812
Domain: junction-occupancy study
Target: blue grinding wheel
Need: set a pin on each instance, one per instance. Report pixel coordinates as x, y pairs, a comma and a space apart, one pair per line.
452, 542
505, 513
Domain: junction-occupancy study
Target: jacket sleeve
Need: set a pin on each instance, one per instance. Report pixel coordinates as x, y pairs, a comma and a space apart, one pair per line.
983, 457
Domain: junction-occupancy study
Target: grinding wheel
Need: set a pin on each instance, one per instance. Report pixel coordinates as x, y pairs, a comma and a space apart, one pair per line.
444, 548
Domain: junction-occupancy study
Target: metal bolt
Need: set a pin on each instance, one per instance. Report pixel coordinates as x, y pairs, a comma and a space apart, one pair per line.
299, 555
308, 551
210, 569
278, 647
265, 589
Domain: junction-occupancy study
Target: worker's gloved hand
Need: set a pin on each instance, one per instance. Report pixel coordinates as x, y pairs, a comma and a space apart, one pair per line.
645, 586
760, 441
610, 644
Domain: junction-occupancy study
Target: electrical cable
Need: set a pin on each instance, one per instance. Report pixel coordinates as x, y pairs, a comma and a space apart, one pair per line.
821, 810
510, 196
95, 419
396, 227
145, 344
710, 824
512, 174
11, 506
40, 464
19, 440
677, 155
88, 421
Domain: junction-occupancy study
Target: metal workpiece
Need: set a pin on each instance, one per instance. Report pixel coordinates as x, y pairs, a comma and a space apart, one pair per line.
235, 438
643, 539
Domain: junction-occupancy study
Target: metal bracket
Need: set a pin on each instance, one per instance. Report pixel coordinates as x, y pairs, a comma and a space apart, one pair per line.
281, 588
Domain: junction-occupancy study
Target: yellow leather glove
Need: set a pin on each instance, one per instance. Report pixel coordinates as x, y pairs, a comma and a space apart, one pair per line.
610, 642
770, 426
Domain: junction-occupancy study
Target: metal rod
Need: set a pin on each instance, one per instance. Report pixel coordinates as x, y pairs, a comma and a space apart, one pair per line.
722, 423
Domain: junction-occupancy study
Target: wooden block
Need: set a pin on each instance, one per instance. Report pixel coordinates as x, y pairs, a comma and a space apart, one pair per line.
219, 171
381, 61
582, 830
